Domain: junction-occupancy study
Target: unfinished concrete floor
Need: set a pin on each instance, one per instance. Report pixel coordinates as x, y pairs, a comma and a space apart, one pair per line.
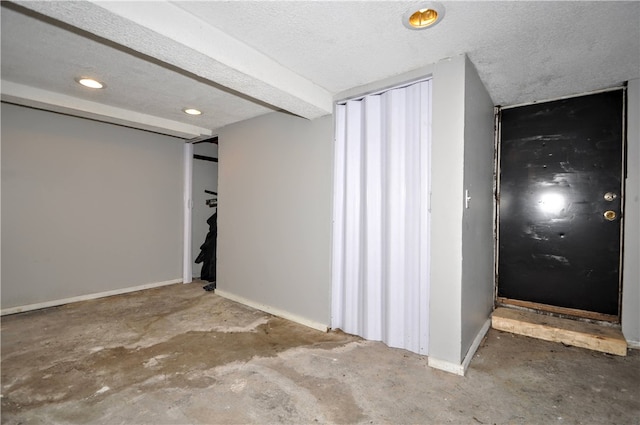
178, 354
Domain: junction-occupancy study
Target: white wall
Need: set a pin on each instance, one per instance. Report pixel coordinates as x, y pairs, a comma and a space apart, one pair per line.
631, 272
274, 216
205, 177
87, 207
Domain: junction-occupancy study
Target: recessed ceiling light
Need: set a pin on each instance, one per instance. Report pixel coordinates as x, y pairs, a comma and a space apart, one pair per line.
91, 83
192, 111
425, 15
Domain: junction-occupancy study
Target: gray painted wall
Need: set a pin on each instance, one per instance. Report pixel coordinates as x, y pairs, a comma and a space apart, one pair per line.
631, 273
461, 239
447, 171
205, 176
87, 207
274, 218
477, 220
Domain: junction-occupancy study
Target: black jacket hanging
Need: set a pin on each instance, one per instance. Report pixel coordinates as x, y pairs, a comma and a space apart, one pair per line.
207, 254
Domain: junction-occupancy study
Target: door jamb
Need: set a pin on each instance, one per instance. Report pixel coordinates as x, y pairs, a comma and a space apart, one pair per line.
187, 269
554, 310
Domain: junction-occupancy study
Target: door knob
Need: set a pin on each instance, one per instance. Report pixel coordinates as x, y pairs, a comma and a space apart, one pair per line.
610, 215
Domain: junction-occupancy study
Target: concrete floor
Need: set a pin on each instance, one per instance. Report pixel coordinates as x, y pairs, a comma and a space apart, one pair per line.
178, 354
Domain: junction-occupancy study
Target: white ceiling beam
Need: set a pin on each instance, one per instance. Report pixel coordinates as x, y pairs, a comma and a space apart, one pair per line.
166, 32
56, 102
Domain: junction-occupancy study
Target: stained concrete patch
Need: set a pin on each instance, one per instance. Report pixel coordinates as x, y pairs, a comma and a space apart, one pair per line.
140, 359
162, 338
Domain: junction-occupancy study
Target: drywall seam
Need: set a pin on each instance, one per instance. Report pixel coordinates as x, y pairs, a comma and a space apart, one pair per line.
273, 310
54, 303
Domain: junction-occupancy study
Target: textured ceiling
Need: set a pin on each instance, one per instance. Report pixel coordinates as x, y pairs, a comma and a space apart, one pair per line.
514, 45
59, 55
239, 59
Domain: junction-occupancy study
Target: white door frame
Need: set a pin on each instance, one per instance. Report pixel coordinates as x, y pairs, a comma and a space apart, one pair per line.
187, 269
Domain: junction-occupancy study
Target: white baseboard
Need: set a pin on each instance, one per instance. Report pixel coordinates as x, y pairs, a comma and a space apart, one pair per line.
273, 310
446, 366
461, 369
634, 344
53, 303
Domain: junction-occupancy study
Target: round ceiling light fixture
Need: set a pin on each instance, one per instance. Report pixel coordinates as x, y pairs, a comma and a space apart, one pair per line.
423, 16
192, 111
90, 82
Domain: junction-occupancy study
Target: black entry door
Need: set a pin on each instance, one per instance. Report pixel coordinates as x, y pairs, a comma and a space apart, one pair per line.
560, 200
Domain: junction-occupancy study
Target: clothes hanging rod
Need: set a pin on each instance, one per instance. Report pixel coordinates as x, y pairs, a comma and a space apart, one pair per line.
205, 158
213, 139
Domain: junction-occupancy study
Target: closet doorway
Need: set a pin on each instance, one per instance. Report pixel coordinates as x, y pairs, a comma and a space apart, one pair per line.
204, 189
381, 231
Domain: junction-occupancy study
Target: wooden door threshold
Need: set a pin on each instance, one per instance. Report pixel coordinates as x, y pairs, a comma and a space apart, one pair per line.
591, 315
570, 332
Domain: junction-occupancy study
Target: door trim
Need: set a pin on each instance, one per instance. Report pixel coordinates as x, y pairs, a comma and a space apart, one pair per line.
553, 99
502, 301
623, 193
187, 274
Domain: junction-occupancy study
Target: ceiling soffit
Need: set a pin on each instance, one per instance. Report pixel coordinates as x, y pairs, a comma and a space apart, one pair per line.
187, 44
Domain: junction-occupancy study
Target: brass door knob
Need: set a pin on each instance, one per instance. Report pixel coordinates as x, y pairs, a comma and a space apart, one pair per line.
610, 215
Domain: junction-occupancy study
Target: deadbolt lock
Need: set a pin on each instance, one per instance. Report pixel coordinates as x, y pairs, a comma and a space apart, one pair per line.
610, 215
610, 196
